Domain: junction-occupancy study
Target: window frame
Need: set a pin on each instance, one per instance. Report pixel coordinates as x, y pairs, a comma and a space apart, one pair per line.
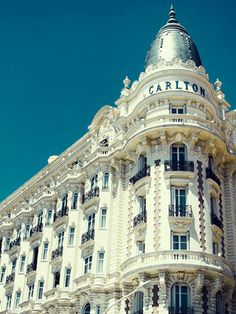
88, 261
179, 235
40, 290
71, 236
22, 264
103, 218
67, 277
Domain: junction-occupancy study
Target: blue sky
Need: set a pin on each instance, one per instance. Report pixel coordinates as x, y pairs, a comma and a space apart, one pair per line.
62, 60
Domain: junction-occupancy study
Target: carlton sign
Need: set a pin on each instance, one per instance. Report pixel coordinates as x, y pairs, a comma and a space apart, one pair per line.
177, 85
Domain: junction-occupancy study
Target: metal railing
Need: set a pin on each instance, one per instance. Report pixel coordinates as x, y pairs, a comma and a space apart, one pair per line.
90, 194
180, 211
61, 213
181, 310
36, 229
211, 175
57, 252
179, 165
14, 243
89, 235
10, 278
140, 218
216, 221
31, 267
144, 172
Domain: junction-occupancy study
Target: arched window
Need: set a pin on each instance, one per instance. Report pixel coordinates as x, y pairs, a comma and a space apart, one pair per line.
94, 181
180, 299
138, 303
86, 309
75, 200
142, 162
64, 202
178, 156
219, 303
105, 180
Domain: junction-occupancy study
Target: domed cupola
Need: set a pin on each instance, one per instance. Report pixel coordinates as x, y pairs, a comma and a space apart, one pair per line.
172, 41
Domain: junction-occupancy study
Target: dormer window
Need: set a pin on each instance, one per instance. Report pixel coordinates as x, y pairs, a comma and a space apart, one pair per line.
104, 143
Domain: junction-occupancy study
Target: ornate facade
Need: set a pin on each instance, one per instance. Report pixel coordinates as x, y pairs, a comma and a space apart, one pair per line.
139, 215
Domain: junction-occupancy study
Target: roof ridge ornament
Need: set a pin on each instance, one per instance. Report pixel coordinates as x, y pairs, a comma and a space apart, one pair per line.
172, 15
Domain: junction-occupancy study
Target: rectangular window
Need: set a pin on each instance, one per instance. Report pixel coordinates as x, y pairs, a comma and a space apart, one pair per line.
22, 263
60, 239
9, 297
142, 204
91, 221
177, 110
100, 262
56, 279
13, 268
88, 263
75, 201
40, 291
45, 250
179, 242
17, 300
49, 217
216, 248
178, 201
71, 235
31, 291
67, 277
3, 272
103, 218
140, 247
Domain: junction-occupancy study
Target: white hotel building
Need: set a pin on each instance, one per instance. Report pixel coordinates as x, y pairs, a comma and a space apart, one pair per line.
139, 215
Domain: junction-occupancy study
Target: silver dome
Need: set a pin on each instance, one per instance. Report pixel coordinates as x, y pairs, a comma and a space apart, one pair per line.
173, 41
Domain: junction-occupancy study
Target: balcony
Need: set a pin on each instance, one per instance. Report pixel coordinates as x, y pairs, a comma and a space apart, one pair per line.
216, 221
61, 213
179, 165
211, 175
145, 172
57, 252
10, 278
31, 267
87, 236
36, 232
140, 219
14, 246
181, 310
92, 194
180, 211
175, 260
180, 215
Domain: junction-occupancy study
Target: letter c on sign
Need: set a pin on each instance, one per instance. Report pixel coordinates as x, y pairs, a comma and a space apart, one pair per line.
151, 90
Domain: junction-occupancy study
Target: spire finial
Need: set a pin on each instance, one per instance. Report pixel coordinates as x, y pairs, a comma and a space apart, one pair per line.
172, 15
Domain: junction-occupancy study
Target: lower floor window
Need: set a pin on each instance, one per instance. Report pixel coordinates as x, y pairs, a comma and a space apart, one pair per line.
179, 242
17, 301
180, 299
140, 247
88, 263
9, 297
86, 309
56, 280
31, 291
138, 302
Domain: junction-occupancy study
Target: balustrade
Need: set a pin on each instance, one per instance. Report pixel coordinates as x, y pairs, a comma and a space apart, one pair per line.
57, 252
140, 218
180, 211
211, 175
179, 165
90, 194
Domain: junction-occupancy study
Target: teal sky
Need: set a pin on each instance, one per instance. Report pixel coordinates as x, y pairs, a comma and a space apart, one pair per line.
62, 60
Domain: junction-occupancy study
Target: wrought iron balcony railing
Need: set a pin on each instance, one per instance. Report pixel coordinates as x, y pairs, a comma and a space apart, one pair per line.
216, 221
140, 218
14, 243
36, 229
61, 213
141, 174
179, 165
10, 278
31, 267
211, 175
57, 252
180, 211
181, 310
90, 194
89, 235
